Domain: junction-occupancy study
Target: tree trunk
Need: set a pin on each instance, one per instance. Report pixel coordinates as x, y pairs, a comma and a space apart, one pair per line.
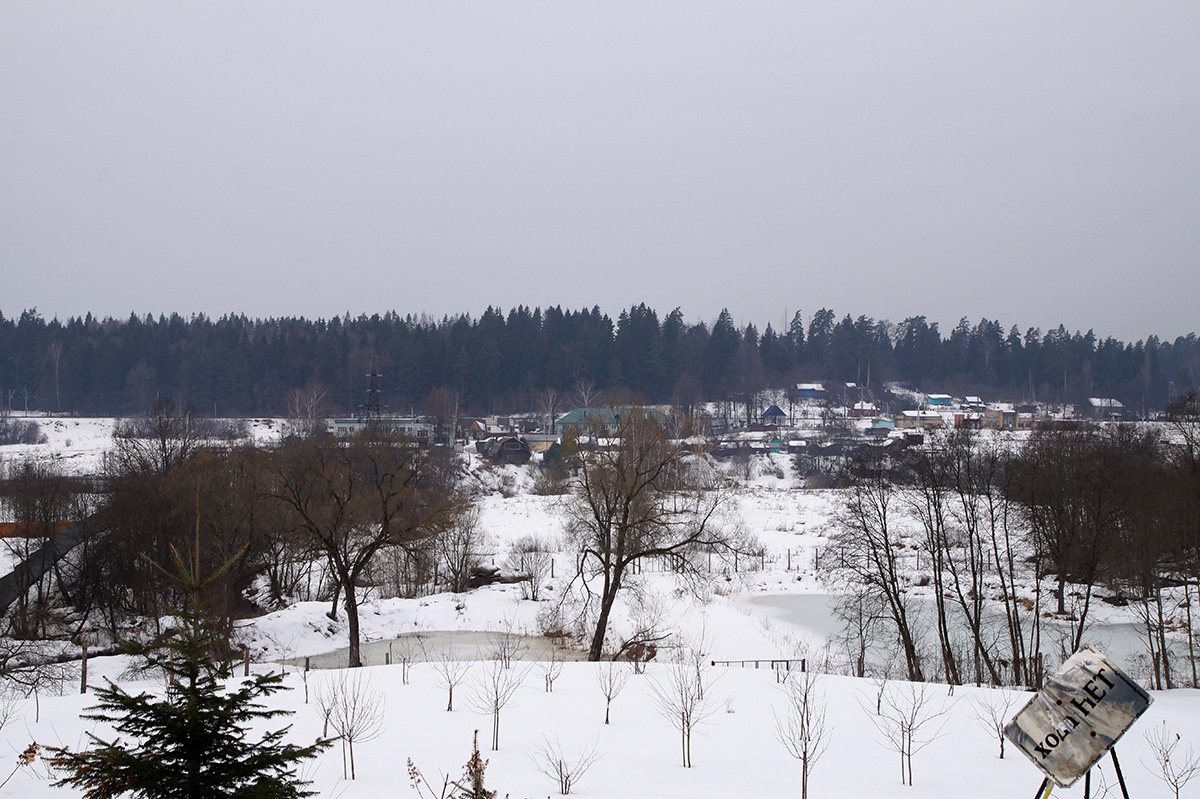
607, 598
355, 659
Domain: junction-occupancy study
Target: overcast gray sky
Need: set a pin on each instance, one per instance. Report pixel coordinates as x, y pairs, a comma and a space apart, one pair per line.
1030, 162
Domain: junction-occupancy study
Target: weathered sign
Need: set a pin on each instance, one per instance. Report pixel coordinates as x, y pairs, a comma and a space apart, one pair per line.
1076, 718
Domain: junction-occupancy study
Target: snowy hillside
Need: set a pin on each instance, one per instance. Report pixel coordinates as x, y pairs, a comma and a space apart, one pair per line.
770, 607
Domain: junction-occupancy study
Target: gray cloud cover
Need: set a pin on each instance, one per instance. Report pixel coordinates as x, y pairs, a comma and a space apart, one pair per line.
1030, 162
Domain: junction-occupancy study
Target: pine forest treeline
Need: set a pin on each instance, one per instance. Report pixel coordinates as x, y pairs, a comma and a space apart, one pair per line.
501, 362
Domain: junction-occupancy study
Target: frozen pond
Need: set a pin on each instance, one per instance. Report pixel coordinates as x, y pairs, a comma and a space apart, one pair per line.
813, 613
458, 644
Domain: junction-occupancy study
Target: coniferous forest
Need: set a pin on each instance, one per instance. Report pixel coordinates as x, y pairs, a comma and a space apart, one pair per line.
500, 362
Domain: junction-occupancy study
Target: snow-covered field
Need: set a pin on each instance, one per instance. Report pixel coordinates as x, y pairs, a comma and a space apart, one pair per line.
734, 751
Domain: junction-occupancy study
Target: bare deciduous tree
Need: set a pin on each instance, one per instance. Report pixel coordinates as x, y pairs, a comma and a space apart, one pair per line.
681, 700
506, 644
639, 496
352, 498
991, 710
156, 443
585, 394
460, 549
907, 721
405, 651
530, 557
450, 672
1175, 770
870, 555
493, 689
548, 401
308, 409
443, 408
323, 698
803, 730
611, 678
549, 759
551, 668
357, 713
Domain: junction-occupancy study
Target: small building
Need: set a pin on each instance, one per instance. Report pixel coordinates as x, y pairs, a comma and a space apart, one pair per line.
582, 420
410, 427
880, 428
814, 391
939, 400
1106, 408
504, 449
918, 420
608, 420
774, 417
863, 410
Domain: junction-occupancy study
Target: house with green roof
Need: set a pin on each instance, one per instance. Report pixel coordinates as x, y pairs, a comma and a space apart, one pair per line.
582, 420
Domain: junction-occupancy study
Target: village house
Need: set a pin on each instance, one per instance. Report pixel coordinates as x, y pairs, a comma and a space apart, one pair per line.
504, 450
924, 420
813, 391
411, 427
774, 417
1106, 409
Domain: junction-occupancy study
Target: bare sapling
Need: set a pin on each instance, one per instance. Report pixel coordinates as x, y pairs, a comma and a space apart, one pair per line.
611, 677
803, 730
548, 758
550, 668
493, 688
1175, 769
407, 649
992, 710
506, 644
907, 721
323, 698
531, 557
681, 698
357, 714
450, 672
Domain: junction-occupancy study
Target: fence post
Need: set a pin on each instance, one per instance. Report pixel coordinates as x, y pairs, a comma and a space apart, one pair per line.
83, 670
246, 661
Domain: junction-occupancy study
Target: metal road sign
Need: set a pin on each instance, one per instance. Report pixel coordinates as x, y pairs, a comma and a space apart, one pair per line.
1075, 719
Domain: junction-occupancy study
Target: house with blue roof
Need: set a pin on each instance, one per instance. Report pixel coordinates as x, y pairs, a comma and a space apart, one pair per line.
774, 417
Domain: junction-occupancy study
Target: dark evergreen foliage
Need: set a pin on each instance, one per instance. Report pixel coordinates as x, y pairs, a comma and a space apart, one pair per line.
500, 361
191, 742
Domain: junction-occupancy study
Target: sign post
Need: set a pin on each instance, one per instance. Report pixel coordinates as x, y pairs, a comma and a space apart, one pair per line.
1084, 708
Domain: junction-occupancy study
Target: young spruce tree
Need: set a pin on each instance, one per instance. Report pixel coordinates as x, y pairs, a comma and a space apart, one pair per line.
192, 742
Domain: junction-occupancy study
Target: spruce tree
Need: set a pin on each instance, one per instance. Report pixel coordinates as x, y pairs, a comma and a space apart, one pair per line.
192, 741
